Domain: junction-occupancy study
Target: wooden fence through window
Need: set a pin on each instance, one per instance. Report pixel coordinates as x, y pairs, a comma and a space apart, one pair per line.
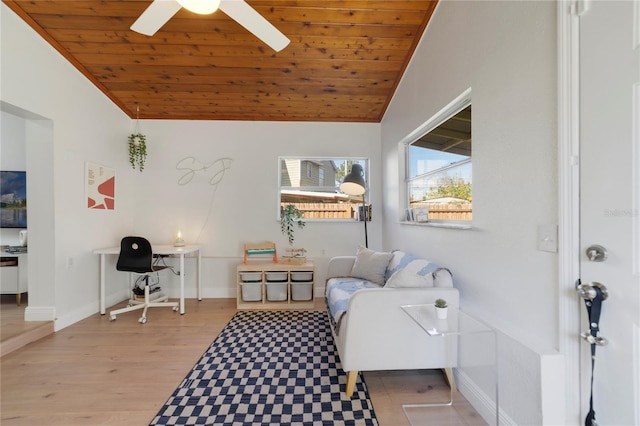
325, 210
452, 211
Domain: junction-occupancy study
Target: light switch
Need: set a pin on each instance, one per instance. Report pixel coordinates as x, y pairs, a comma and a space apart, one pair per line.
548, 238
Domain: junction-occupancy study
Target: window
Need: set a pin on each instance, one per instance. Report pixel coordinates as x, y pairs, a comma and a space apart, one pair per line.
438, 169
312, 185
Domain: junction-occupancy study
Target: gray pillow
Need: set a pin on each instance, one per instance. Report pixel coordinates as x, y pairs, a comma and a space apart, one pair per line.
371, 265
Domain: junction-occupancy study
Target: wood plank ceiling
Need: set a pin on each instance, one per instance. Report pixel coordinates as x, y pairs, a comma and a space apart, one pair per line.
343, 64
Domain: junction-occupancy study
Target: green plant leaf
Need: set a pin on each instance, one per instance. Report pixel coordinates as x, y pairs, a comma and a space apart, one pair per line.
290, 216
137, 150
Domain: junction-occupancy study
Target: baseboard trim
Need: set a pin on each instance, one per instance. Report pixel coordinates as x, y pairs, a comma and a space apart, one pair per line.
40, 313
85, 312
207, 293
25, 338
481, 402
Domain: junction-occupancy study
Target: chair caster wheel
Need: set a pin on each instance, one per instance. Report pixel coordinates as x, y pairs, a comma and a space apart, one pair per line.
112, 317
175, 309
142, 320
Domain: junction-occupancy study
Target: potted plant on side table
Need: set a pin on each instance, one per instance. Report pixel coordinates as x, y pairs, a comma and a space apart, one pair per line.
441, 308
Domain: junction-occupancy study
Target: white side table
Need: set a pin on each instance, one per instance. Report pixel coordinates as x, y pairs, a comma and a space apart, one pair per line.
472, 349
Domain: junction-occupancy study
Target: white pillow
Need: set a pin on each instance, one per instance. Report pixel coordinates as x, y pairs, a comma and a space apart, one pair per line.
371, 265
404, 278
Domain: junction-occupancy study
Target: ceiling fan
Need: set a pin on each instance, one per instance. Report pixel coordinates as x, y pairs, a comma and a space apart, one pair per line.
160, 11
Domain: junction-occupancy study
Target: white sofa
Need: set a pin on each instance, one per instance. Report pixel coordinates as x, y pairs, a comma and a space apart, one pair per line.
364, 295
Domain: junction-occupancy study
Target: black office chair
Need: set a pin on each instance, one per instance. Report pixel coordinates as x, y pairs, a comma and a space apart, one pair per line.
136, 256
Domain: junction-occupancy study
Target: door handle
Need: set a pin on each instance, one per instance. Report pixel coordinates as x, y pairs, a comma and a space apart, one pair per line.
593, 340
587, 290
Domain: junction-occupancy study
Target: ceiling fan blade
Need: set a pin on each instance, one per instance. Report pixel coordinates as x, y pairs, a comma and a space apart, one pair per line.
155, 16
255, 23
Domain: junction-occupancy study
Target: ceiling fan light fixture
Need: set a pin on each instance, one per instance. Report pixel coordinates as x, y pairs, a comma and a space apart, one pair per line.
201, 7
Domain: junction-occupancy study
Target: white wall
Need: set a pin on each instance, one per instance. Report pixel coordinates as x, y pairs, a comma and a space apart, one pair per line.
12, 134
506, 53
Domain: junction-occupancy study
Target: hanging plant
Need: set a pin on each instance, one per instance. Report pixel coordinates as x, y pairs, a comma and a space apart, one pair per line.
289, 217
137, 145
137, 150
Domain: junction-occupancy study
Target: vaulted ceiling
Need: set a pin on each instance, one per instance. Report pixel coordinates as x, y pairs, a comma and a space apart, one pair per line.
344, 62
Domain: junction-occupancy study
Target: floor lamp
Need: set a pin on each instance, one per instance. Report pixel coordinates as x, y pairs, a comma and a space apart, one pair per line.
353, 184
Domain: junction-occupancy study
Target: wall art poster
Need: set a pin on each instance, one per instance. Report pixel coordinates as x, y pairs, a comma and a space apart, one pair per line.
100, 187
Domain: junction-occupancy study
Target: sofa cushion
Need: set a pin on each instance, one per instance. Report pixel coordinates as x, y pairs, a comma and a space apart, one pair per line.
371, 265
415, 265
405, 278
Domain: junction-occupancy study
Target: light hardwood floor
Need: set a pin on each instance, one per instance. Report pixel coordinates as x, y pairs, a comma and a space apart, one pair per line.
121, 372
15, 332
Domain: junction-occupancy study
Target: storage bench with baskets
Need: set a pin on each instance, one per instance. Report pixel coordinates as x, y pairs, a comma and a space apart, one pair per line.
275, 286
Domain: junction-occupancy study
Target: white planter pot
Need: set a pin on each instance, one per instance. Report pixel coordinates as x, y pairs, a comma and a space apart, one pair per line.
441, 312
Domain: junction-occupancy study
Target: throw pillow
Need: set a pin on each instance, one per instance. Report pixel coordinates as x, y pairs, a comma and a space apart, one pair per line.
370, 265
404, 278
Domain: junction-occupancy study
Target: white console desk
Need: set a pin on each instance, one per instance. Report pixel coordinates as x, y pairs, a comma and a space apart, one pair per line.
167, 250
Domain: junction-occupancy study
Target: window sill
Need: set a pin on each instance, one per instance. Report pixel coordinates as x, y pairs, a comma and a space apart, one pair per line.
447, 225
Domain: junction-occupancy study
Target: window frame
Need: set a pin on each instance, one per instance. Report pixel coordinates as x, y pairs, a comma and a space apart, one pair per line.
454, 107
365, 161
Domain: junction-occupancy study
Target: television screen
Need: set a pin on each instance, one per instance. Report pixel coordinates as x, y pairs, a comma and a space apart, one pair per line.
13, 199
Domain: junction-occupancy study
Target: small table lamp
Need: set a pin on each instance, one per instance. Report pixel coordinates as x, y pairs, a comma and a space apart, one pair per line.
179, 240
354, 184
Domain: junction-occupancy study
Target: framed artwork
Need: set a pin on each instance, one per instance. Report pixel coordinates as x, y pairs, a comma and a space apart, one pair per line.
13, 199
100, 186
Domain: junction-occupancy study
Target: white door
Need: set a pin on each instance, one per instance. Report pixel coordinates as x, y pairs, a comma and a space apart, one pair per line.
610, 201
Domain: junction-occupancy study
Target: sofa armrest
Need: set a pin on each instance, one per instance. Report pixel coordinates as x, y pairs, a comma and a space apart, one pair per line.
376, 334
340, 266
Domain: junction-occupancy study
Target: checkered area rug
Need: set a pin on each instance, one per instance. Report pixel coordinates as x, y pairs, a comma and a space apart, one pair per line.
269, 368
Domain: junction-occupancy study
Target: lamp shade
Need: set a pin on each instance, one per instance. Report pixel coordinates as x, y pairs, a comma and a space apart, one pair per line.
353, 183
202, 7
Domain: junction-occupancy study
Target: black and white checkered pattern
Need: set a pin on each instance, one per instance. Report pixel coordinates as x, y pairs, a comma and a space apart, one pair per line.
269, 368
